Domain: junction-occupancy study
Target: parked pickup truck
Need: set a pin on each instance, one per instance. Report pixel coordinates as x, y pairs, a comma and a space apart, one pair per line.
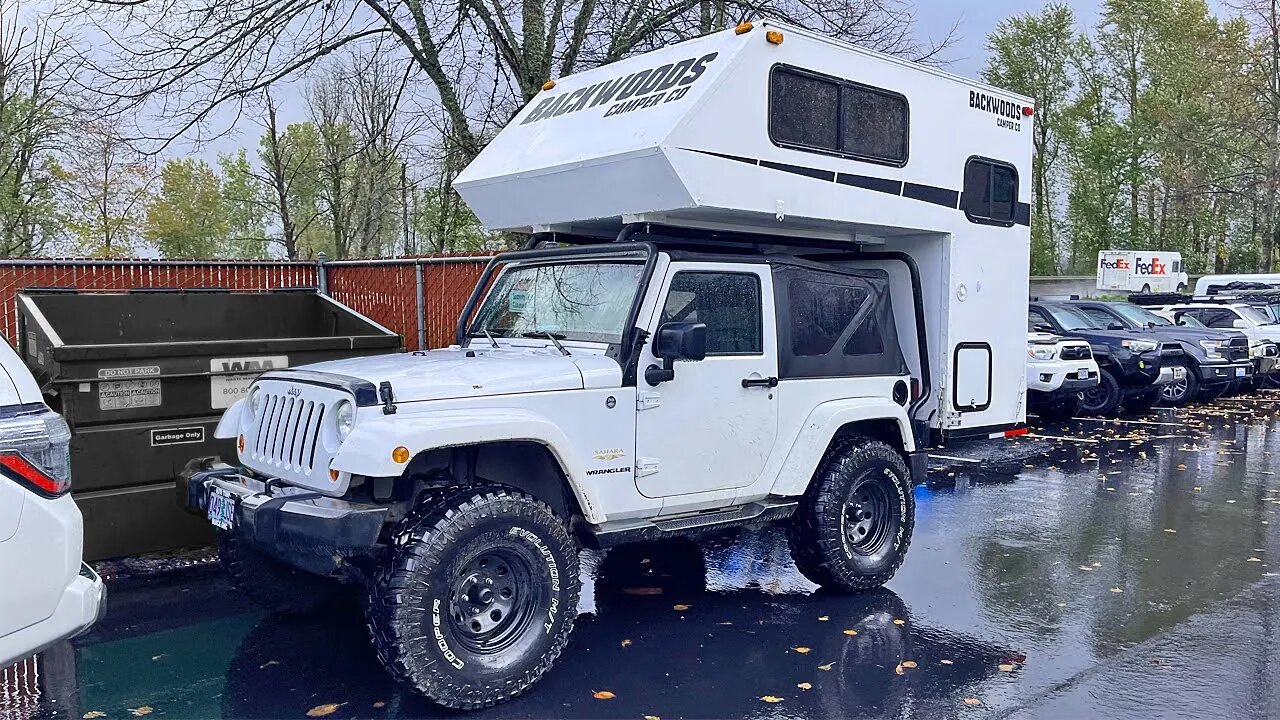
1214, 359
1059, 371
1132, 368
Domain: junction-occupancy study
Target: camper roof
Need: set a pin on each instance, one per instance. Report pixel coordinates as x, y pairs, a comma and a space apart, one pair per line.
701, 134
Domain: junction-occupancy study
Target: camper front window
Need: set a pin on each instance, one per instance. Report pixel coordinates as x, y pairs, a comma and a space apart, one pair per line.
587, 301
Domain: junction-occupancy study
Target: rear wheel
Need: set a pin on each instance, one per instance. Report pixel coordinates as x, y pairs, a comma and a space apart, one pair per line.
1146, 289
275, 586
1104, 398
1180, 392
853, 527
479, 598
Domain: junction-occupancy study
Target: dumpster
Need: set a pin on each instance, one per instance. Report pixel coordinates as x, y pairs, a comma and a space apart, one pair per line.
142, 378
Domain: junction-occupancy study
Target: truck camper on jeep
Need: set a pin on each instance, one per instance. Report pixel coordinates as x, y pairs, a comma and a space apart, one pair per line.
762, 277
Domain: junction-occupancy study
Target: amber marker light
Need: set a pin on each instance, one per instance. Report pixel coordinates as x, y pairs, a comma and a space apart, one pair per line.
400, 454
774, 37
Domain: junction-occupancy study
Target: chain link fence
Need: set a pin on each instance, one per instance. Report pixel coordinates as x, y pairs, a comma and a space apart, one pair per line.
420, 298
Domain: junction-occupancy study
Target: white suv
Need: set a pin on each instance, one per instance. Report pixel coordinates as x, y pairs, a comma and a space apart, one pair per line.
47, 594
1254, 322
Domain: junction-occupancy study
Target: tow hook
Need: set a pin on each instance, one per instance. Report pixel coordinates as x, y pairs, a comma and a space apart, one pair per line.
388, 397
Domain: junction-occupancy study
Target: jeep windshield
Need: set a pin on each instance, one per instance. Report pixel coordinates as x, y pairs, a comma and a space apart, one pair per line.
587, 301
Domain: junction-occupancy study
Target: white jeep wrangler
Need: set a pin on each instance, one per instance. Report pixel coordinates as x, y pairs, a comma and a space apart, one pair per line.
749, 320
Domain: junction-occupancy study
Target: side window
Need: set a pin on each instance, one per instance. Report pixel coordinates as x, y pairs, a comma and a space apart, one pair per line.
1177, 266
1102, 317
729, 305
820, 113
819, 315
1036, 318
990, 192
1218, 318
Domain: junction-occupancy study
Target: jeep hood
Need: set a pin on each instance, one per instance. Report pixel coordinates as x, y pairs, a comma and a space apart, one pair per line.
477, 372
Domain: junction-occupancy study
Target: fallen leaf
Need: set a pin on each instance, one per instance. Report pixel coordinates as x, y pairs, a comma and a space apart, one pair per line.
896, 621
1116, 590
850, 633
652, 717
642, 591
898, 670
1254, 560
823, 618
972, 701
380, 704
626, 643
1197, 489
1006, 667
93, 714
771, 699
804, 686
681, 608
1170, 530
140, 711
801, 650
161, 656
827, 667
1086, 568
326, 709
603, 695
908, 664
268, 664
947, 662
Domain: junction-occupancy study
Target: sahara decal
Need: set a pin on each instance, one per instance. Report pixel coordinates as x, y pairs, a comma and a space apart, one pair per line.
639, 90
610, 454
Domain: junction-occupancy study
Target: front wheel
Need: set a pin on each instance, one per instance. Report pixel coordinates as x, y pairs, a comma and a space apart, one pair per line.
853, 527
1104, 398
1180, 392
478, 599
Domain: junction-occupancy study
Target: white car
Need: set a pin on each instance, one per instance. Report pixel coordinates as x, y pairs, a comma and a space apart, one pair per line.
48, 594
1058, 370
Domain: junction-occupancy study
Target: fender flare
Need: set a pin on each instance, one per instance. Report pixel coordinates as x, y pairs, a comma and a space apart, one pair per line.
820, 427
367, 450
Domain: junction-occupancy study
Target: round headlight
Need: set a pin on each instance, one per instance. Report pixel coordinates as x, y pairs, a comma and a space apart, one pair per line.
255, 402
344, 417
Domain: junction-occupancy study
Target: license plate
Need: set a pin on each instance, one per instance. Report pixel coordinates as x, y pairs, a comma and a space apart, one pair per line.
222, 511
1240, 372
1179, 373
1082, 374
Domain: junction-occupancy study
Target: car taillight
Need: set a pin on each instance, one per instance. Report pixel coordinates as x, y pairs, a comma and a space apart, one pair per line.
35, 451
24, 472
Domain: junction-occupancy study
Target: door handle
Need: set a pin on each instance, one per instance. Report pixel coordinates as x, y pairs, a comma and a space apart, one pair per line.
769, 382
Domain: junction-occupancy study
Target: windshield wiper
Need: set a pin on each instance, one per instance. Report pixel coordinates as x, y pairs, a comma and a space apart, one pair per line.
555, 338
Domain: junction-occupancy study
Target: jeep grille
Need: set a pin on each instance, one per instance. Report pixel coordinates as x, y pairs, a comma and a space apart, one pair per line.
288, 437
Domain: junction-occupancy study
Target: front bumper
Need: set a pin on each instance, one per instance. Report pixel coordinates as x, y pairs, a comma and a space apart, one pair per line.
1225, 372
1052, 376
282, 516
1169, 374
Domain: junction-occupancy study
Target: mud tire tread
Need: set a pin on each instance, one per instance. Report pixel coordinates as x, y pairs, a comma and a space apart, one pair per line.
814, 533
417, 545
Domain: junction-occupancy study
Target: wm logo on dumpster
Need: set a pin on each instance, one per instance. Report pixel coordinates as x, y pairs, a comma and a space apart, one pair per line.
248, 365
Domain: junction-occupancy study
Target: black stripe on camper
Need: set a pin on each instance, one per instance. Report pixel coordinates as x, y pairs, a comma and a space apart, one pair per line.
866, 182
912, 191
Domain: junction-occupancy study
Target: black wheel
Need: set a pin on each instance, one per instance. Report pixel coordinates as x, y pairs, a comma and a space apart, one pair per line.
1270, 380
853, 527
1180, 392
1059, 409
1104, 398
280, 588
1143, 401
1182, 287
1146, 289
478, 599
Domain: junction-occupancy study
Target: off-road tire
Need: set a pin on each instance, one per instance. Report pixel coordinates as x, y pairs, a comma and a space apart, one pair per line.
1059, 409
419, 638
272, 584
1104, 399
1192, 391
819, 533
1142, 401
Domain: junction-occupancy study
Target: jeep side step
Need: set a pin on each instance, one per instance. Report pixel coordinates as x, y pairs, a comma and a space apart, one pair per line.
618, 532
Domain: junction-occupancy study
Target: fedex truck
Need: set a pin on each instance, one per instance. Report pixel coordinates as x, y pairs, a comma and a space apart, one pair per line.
1141, 271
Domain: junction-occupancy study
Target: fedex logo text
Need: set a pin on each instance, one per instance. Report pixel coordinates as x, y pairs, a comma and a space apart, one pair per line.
1154, 267
1117, 264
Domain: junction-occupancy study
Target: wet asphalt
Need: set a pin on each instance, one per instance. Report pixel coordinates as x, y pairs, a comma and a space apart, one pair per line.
1100, 569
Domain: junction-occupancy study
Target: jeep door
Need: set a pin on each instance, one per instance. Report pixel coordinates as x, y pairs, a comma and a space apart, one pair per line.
706, 429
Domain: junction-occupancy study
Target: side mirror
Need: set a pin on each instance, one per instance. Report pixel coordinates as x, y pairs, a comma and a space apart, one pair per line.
1115, 326
676, 341
1041, 327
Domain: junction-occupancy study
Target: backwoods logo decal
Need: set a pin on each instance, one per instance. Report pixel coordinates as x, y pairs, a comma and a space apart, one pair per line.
639, 90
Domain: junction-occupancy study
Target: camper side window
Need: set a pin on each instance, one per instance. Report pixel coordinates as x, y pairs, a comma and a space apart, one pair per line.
824, 114
990, 192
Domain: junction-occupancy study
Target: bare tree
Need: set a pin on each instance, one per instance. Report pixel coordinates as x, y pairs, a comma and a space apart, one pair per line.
288, 159
186, 60
106, 189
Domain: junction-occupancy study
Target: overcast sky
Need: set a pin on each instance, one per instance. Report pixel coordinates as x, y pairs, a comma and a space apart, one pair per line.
975, 19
